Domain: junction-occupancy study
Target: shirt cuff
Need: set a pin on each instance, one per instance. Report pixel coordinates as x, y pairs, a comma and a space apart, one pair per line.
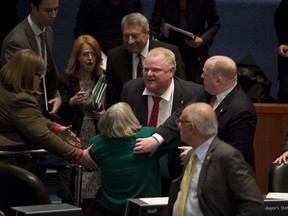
158, 137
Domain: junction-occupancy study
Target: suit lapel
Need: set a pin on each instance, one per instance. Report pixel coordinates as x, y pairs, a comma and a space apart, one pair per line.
143, 118
178, 100
221, 109
129, 64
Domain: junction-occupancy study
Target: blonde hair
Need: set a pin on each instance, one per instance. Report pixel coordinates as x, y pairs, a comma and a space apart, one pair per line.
168, 54
118, 121
73, 64
18, 74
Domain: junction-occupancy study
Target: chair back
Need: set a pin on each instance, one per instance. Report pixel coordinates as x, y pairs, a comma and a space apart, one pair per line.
277, 180
20, 187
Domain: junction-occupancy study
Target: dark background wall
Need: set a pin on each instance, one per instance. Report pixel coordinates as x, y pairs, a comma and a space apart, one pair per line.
246, 28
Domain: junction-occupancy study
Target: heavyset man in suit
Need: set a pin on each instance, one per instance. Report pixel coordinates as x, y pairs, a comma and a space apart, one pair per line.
234, 110
122, 60
158, 80
218, 181
26, 35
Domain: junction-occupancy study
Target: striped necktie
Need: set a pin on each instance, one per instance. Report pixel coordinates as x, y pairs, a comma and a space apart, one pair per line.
139, 66
42, 43
155, 110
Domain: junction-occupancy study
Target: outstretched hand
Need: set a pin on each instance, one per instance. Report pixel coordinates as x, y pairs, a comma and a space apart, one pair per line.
67, 135
184, 151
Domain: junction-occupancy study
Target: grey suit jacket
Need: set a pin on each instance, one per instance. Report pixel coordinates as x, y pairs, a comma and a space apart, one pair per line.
226, 185
22, 37
119, 68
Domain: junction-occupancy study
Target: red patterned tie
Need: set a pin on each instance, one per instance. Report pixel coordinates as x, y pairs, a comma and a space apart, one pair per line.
155, 110
212, 101
139, 66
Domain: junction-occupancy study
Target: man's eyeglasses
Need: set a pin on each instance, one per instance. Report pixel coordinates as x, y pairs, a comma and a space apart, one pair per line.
88, 54
179, 122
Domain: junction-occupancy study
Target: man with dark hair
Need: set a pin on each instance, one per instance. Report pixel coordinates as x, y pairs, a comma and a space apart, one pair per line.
35, 33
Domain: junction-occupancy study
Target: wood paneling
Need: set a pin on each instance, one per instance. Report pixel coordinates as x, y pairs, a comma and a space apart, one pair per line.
271, 130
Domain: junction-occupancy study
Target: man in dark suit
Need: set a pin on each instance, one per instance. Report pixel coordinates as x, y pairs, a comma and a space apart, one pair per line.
159, 80
122, 60
199, 17
26, 35
215, 180
235, 111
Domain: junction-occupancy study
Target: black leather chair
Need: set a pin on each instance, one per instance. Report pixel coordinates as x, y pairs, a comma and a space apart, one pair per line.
277, 180
19, 187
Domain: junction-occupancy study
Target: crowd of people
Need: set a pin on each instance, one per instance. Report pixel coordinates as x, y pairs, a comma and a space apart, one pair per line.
170, 110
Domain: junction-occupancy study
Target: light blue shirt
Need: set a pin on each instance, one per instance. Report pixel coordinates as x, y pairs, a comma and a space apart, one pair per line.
192, 207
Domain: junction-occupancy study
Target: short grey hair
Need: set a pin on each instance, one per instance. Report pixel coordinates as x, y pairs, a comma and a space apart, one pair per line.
136, 19
118, 121
204, 117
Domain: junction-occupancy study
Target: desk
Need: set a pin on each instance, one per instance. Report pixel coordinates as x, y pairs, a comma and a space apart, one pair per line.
271, 130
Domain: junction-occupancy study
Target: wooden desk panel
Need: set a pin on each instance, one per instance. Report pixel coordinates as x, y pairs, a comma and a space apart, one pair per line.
271, 130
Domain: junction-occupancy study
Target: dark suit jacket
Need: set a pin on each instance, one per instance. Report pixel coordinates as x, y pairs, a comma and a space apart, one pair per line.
119, 69
22, 37
184, 91
226, 185
69, 115
202, 19
236, 118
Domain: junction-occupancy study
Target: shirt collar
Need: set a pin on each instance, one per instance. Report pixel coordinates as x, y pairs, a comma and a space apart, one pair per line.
166, 95
222, 95
144, 52
201, 150
37, 31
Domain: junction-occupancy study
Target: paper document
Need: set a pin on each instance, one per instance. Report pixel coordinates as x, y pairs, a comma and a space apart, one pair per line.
155, 200
170, 29
273, 195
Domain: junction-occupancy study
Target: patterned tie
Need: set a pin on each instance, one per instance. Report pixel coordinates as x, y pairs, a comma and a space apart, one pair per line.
42, 43
186, 179
139, 66
42, 47
213, 101
155, 110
